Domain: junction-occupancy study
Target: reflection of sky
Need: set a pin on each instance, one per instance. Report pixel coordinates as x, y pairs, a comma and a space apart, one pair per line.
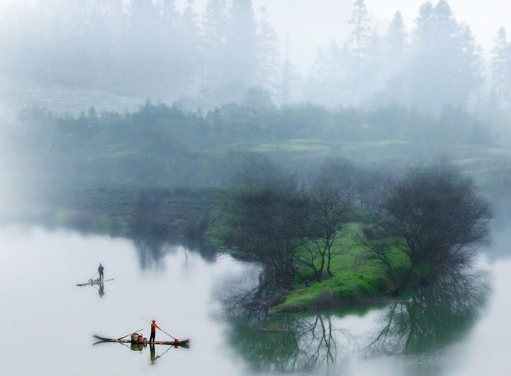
487, 351
40, 303
484, 351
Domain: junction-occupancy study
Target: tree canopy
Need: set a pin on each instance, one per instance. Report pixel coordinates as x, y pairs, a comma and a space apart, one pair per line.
440, 217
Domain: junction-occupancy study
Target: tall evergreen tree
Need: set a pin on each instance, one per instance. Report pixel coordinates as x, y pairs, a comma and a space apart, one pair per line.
268, 55
241, 55
444, 67
328, 77
189, 48
363, 64
396, 38
142, 39
286, 75
291, 82
501, 70
360, 37
213, 44
395, 47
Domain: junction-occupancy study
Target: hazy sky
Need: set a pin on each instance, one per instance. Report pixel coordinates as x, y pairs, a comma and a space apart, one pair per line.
311, 23
483, 17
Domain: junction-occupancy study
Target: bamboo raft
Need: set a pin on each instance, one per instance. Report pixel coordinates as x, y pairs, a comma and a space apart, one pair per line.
184, 343
94, 282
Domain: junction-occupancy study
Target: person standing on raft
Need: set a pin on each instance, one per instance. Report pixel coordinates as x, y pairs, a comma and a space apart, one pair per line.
154, 326
100, 271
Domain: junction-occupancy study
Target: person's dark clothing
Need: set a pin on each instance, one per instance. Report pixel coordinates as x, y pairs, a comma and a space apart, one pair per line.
100, 270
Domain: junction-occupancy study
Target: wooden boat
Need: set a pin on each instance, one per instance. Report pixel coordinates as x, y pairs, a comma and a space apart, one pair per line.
182, 343
94, 282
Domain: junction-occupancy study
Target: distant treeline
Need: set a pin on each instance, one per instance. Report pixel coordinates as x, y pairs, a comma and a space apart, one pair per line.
162, 146
154, 49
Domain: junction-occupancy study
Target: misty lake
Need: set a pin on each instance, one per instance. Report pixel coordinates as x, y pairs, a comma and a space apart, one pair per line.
137, 117
48, 322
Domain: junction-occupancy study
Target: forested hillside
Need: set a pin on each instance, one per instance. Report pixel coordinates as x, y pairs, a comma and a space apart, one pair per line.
164, 146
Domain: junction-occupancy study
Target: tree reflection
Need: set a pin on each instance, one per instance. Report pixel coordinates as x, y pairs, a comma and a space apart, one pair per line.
283, 343
159, 221
440, 315
151, 251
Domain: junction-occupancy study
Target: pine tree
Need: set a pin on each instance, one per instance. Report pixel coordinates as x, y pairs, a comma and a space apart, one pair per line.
396, 38
241, 54
327, 82
445, 63
394, 52
268, 54
189, 48
363, 66
213, 41
424, 31
361, 34
291, 82
501, 70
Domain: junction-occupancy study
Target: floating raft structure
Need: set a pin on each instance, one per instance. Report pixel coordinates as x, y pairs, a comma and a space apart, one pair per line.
92, 282
183, 343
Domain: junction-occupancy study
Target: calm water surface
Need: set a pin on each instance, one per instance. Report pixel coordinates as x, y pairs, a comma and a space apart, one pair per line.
48, 321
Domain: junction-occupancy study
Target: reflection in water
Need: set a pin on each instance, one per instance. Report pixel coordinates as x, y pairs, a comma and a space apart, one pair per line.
139, 347
101, 290
283, 343
153, 357
152, 250
437, 317
135, 346
440, 315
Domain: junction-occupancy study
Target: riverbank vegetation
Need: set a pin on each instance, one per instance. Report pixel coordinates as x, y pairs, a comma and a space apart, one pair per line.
162, 146
329, 208
336, 241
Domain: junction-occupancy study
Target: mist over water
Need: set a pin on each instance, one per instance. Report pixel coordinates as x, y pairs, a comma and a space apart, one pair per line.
122, 123
463, 334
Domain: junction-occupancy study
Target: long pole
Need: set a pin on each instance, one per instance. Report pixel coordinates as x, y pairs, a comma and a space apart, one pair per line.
167, 333
165, 352
164, 331
129, 334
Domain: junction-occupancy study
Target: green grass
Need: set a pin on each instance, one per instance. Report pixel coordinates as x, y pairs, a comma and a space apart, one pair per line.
294, 146
357, 276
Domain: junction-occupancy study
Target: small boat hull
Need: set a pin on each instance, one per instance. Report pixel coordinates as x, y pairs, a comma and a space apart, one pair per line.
94, 282
183, 343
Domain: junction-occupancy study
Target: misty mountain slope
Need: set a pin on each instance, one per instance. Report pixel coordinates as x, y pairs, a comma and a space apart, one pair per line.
170, 146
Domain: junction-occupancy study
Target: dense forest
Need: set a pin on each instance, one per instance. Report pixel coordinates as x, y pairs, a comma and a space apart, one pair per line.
163, 146
207, 56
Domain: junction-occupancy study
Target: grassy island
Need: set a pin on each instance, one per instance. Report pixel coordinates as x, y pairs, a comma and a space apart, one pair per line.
358, 276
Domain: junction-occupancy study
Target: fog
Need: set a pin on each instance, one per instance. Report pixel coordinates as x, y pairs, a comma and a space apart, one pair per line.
176, 131
113, 54
421, 80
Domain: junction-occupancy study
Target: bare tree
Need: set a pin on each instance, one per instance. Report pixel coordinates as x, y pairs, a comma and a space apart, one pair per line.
440, 217
435, 317
332, 192
268, 212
